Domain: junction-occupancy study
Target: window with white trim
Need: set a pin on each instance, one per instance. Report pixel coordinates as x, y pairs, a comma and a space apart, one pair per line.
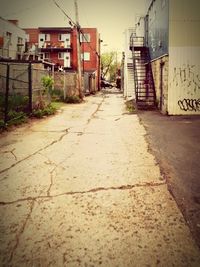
85, 37
9, 37
27, 37
85, 56
60, 55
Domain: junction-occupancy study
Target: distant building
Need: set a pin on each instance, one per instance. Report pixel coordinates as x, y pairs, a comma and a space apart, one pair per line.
58, 45
12, 39
170, 32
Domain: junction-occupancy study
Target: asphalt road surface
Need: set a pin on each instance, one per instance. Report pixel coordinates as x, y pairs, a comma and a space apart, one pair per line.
175, 141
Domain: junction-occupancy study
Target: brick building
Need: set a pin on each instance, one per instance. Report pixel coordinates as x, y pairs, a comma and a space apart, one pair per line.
59, 46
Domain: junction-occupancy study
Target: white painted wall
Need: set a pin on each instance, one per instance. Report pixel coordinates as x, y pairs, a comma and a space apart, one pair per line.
10, 49
184, 57
128, 83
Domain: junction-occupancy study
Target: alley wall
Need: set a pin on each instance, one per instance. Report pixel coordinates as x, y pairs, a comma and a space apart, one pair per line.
184, 57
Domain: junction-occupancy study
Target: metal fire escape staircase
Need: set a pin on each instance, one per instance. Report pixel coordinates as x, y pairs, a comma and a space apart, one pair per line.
144, 84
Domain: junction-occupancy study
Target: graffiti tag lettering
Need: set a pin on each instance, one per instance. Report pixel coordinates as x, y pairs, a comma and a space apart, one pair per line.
187, 77
189, 104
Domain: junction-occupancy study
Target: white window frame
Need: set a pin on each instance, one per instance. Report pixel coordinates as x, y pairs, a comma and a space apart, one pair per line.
27, 37
85, 56
9, 37
47, 37
86, 38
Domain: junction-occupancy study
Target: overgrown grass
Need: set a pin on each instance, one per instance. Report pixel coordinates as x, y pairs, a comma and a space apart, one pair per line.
18, 108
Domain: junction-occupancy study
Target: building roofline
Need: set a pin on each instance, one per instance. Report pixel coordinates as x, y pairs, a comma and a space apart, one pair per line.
11, 23
60, 29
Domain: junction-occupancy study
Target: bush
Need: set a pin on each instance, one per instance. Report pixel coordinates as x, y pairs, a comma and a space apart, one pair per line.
47, 82
48, 110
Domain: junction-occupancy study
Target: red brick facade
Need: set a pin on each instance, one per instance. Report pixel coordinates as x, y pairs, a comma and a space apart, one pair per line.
54, 47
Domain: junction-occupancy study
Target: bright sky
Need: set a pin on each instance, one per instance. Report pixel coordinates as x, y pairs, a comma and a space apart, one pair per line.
110, 17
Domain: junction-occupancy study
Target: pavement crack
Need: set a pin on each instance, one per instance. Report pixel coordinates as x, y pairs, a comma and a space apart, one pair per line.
97, 109
12, 152
93, 190
36, 152
17, 238
51, 179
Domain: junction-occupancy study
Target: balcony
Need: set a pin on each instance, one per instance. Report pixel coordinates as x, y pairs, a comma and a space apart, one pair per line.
136, 42
56, 46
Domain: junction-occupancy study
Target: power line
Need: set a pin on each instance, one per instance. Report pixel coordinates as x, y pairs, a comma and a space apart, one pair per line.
70, 19
76, 25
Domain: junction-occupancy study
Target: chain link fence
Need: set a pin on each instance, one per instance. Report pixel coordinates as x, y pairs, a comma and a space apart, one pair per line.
21, 90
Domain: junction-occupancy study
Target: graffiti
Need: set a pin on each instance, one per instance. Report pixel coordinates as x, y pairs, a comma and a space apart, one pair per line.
189, 104
187, 77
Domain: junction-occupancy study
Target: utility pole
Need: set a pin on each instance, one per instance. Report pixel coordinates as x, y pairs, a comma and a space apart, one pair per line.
77, 27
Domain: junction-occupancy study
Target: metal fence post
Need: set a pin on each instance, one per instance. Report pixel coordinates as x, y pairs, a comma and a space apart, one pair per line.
30, 86
7, 93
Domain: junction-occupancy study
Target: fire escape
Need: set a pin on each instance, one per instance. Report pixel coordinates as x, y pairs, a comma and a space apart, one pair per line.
143, 77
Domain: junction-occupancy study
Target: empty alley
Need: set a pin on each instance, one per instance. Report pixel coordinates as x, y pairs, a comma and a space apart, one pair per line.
81, 188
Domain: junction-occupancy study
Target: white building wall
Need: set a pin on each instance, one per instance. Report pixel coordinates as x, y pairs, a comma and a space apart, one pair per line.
9, 49
184, 57
140, 27
129, 91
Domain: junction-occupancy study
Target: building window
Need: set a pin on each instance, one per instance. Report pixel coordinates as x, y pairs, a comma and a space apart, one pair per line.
9, 37
19, 44
60, 37
85, 37
85, 56
46, 56
61, 55
19, 40
27, 37
45, 37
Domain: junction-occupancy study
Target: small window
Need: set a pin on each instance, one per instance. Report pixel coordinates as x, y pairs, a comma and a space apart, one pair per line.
27, 37
85, 37
41, 56
46, 55
85, 56
9, 37
19, 40
41, 39
47, 37
61, 55
60, 37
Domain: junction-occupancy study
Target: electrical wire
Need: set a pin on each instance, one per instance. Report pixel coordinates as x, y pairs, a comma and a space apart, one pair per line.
77, 26
70, 19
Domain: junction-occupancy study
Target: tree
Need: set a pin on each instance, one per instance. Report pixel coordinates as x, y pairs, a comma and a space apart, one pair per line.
109, 65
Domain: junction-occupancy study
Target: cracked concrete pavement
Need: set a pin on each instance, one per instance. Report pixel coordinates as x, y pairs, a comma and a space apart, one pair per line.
81, 189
